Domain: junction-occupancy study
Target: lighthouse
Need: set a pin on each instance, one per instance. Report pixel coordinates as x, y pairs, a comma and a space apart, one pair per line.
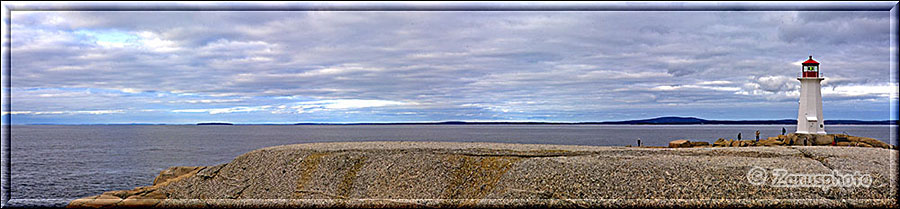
809, 117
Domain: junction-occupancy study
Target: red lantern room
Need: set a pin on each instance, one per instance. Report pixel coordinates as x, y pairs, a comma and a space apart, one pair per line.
810, 68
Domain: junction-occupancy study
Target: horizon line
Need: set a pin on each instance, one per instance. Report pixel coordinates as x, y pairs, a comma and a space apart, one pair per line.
473, 122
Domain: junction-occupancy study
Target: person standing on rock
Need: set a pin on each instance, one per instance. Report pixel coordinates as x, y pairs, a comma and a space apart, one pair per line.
757, 135
783, 131
739, 136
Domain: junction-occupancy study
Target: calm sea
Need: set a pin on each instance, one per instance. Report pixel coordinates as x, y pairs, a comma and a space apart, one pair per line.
53, 164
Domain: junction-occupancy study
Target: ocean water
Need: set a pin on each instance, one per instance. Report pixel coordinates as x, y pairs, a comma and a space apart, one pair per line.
54, 164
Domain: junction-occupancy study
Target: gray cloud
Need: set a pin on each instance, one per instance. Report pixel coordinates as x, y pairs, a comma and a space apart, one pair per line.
837, 28
487, 65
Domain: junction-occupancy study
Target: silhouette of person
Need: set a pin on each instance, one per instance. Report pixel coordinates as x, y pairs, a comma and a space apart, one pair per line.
783, 131
757, 135
739, 135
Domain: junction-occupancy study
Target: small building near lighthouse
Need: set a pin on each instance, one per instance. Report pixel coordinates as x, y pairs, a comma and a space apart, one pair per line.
809, 118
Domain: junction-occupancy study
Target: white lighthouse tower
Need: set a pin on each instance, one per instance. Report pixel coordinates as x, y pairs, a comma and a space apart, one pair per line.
809, 118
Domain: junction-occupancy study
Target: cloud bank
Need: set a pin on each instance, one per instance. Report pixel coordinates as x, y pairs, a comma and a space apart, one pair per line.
331, 66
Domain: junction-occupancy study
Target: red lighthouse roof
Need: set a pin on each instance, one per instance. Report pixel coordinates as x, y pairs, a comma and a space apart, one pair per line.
810, 61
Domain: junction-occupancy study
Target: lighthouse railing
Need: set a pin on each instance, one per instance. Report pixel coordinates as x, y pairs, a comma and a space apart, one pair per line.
818, 75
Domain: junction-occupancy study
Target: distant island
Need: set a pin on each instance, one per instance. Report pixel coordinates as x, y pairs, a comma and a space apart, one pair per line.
215, 124
694, 121
652, 121
671, 120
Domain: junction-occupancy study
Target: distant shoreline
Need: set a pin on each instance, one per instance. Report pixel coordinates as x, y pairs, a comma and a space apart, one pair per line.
653, 121
215, 124
404, 124
794, 122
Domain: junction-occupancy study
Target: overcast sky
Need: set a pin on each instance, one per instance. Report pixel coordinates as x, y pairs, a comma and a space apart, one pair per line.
333, 66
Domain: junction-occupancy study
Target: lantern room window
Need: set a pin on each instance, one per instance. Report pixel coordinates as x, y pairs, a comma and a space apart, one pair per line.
810, 68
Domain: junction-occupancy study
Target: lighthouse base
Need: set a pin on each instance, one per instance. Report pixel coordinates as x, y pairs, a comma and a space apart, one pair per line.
810, 139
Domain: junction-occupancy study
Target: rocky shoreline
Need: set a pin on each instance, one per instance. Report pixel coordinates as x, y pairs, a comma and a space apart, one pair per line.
793, 139
444, 174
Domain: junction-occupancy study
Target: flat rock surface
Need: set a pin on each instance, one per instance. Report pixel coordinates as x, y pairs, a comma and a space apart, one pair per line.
443, 174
